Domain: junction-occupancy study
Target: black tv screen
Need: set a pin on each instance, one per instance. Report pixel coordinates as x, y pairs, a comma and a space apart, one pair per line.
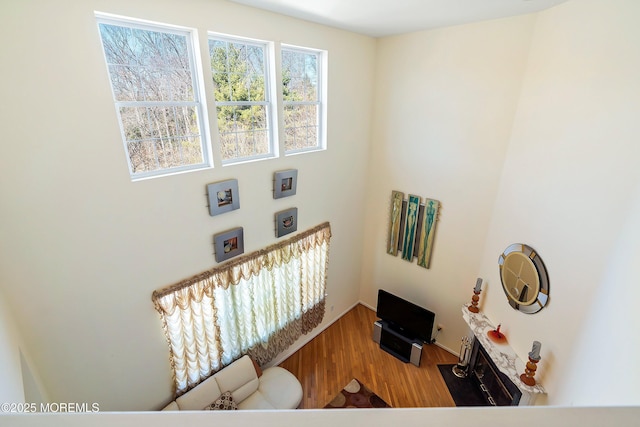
406, 318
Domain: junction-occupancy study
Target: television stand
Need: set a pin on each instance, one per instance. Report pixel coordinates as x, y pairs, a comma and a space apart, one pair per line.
407, 349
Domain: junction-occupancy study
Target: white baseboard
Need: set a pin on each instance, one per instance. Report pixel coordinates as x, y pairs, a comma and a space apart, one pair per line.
291, 350
447, 349
287, 353
436, 343
367, 305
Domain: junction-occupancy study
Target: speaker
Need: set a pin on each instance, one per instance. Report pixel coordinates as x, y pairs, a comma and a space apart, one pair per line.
416, 354
377, 331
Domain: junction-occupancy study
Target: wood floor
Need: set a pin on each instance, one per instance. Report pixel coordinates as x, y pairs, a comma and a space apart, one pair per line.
345, 350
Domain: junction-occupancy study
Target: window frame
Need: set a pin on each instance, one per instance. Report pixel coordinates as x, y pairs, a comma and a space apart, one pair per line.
321, 102
199, 97
270, 103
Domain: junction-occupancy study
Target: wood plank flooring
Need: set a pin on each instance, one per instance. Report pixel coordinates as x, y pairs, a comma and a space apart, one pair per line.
345, 350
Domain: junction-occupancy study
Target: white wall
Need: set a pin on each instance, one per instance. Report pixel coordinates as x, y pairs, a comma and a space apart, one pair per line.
611, 318
11, 389
445, 102
526, 130
568, 189
83, 247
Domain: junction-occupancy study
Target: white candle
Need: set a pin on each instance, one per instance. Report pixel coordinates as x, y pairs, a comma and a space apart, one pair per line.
535, 351
478, 285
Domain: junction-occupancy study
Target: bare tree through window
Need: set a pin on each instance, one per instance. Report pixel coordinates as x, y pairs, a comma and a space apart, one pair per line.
301, 95
154, 89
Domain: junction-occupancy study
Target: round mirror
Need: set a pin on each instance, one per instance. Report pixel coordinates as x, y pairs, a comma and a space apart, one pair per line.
524, 278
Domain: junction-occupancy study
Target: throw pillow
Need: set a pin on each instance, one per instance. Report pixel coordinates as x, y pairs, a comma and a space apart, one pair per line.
224, 403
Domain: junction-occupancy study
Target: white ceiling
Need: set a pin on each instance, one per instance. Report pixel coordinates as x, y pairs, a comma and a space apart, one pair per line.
379, 18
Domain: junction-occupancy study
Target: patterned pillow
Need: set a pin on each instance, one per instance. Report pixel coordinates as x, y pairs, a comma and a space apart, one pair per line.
224, 403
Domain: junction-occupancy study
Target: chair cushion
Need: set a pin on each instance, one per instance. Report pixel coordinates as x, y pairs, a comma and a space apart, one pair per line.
276, 388
173, 406
201, 396
281, 388
239, 377
256, 401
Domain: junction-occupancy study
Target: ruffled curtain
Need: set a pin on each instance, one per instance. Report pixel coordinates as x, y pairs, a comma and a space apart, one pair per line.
258, 304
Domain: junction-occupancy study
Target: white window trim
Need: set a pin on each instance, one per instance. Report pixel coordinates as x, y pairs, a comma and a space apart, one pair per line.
322, 95
199, 101
209, 133
271, 103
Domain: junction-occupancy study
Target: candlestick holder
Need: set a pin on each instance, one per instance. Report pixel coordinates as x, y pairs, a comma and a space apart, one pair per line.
529, 372
474, 302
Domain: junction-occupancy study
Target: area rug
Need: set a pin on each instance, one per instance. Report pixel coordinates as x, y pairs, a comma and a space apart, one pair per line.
463, 391
357, 395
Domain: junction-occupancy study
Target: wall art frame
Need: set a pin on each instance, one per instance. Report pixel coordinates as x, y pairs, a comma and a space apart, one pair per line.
413, 208
395, 221
427, 231
228, 244
286, 221
412, 226
285, 183
223, 196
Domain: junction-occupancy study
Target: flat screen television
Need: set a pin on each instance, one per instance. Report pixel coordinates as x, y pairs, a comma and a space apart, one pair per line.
404, 317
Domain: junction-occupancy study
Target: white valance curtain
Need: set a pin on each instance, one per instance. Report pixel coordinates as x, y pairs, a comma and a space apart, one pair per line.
258, 304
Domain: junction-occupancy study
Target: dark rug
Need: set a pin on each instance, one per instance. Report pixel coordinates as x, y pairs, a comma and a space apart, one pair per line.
463, 390
356, 395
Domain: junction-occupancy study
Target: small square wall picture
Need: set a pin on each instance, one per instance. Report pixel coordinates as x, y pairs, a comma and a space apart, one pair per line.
229, 244
285, 183
286, 222
223, 197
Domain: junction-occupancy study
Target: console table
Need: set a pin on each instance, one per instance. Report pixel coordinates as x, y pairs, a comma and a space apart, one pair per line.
502, 355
